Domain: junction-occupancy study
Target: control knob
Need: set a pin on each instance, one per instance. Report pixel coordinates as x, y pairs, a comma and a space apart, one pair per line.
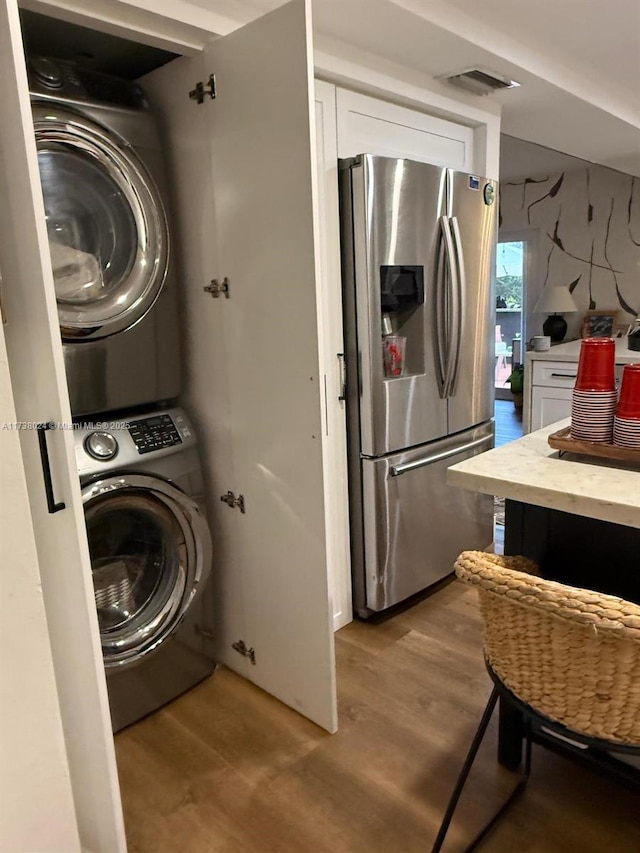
101, 445
46, 72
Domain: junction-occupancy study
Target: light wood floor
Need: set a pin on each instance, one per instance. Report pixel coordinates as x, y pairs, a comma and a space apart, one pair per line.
226, 768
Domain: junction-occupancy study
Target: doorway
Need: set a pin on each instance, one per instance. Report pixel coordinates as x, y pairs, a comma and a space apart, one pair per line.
510, 299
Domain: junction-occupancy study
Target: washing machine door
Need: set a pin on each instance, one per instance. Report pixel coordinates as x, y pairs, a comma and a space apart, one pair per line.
106, 224
150, 556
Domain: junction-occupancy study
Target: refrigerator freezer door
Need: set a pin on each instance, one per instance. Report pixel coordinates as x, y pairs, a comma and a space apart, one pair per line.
473, 222
395, 205
415, 525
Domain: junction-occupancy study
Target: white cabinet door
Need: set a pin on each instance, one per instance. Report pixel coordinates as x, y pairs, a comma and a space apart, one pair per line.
35, 362
368, 125
33, 767
263, 164
245, 176
334, 433
549, 405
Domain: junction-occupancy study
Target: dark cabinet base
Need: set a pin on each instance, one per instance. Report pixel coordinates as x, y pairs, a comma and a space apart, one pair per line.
579, 551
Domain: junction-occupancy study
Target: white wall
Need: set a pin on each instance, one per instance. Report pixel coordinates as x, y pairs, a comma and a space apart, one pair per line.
586, 224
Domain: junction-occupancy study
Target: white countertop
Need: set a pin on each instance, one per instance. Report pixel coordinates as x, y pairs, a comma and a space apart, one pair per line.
571, 352
530, 471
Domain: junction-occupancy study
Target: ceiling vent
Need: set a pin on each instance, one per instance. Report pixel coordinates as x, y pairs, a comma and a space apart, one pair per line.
479, 82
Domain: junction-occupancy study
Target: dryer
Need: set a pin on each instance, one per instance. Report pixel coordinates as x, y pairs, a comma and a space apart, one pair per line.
150, 550
103, 184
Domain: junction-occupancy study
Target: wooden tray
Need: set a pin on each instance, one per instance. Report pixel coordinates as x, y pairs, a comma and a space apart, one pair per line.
563, 442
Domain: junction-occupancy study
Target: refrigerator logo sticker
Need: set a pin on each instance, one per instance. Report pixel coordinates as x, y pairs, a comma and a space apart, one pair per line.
474, 183
489, 193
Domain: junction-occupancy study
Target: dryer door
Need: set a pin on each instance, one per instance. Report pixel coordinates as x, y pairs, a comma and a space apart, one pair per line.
150, 556
107, 228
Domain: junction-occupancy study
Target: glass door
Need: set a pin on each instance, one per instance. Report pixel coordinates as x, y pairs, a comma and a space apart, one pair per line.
150, 555
510, 294
108, 236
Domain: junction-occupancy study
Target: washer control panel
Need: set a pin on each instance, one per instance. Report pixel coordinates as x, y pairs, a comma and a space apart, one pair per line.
154, 433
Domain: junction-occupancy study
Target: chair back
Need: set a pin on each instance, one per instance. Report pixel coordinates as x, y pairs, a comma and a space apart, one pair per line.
571, 654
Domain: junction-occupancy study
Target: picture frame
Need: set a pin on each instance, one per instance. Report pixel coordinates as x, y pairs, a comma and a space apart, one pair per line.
621, 330
599, 323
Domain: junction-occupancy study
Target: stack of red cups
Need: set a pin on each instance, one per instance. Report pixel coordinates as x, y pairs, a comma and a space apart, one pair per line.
593, 405
626, 427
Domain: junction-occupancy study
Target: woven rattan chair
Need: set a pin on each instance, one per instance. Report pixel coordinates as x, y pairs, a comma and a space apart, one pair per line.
567, 659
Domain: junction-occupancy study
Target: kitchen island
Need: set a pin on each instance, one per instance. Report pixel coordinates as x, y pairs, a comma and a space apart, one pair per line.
577, 517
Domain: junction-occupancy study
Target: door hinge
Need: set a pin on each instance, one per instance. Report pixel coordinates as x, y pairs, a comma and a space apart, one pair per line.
201, 90
215, 288
241, 647
232, 501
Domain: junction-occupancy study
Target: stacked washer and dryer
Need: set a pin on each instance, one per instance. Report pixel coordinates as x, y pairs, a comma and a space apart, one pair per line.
101, 170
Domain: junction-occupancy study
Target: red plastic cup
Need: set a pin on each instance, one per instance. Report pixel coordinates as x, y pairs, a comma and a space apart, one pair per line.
629, 402
393, 348
596, 367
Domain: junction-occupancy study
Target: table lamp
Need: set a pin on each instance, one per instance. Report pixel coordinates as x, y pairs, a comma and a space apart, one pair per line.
555, 301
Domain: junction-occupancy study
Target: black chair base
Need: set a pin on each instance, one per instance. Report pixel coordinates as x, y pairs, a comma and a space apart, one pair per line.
464, 773
538, 728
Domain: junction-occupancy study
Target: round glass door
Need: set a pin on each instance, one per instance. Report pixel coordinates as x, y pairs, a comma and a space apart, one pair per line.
146, 563
106, 225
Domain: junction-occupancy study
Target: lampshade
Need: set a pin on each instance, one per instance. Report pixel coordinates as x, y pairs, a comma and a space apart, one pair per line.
555, 300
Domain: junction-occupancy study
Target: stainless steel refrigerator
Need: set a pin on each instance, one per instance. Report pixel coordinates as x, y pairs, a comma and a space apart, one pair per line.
418, 247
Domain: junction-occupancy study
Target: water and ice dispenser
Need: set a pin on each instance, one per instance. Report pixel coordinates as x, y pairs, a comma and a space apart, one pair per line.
401, 301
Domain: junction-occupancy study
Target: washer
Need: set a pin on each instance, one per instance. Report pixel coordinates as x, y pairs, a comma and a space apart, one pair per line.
102, 177
150, 549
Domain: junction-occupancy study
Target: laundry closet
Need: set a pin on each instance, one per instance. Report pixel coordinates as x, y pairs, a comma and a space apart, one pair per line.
259, 359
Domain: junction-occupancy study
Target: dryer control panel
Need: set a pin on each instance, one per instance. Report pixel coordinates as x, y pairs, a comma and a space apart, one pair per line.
61, 79
154, 433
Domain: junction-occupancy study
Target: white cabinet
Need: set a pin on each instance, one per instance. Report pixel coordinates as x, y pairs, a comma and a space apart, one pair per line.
243, 168
334, 433
34, 765
368, 125
246, 185
547, 395
548, 406
549, 398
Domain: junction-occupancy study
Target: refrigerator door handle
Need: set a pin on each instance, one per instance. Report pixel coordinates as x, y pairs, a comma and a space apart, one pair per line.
398, 470
447, 302
458, 312
440, 315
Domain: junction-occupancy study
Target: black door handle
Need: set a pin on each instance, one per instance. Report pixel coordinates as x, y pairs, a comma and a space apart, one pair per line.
46, 468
